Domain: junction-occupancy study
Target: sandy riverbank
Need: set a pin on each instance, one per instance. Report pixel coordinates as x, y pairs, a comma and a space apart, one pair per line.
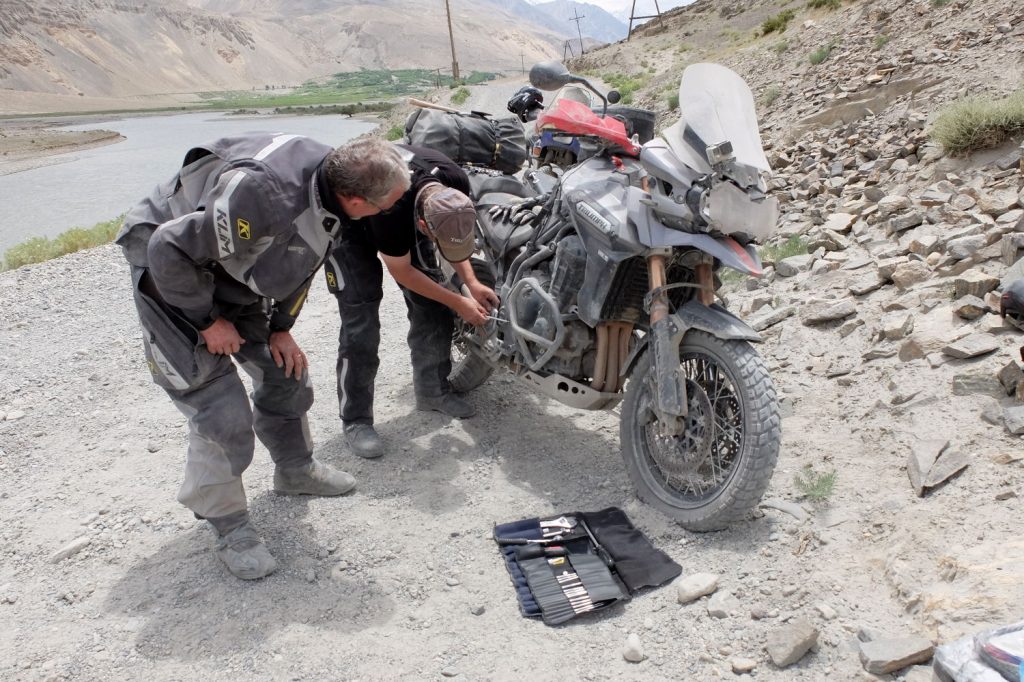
26, 145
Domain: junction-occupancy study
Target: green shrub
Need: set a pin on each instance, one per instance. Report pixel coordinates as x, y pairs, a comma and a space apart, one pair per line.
39, 249
821, 54
781, 46
673, 101
940, 3
979, 123
777, 23
772, 93
816, 486
773, 253
395, 133
881, 40
626, 85
460, 96
827, 4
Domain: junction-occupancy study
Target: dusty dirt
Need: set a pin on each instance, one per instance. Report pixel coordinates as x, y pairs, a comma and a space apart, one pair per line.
401, 579
384, 583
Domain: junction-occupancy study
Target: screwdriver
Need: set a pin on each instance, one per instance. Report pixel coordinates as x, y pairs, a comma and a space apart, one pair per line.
538, 551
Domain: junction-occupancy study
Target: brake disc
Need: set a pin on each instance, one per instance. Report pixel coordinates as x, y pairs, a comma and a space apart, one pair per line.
681, 457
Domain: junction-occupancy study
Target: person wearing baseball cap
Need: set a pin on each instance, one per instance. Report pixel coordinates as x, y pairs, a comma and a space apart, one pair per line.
447, 215
434, 217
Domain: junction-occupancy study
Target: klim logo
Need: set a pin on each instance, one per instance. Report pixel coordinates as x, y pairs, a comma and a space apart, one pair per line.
223, 231
244, 231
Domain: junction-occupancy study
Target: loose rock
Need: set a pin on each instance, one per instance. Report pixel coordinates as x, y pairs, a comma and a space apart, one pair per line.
70, 549
972, 346
742, 666
634, 650
881, 656
789, 643
695, 586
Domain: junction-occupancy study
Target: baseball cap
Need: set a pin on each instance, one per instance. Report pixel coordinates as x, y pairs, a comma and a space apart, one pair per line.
451, 220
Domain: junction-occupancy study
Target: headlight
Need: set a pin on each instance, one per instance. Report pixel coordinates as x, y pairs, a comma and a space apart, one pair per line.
731, 210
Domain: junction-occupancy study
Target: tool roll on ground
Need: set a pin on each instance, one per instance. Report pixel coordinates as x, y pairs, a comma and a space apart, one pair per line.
562, 567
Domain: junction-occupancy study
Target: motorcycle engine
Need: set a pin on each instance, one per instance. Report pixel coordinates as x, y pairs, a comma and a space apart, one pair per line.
560, 278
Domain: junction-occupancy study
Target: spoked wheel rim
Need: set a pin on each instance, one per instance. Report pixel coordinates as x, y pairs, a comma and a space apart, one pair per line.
696, 466
459, 344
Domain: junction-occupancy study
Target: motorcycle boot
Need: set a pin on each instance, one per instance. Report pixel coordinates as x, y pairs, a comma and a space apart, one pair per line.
312, 478
244, 553
364, 441
449, 404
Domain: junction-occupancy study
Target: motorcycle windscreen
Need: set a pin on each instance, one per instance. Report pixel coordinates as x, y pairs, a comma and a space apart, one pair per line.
573, 92
717, 106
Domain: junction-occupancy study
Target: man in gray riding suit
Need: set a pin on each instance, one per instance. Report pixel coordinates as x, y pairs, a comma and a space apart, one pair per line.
222, 256
434, 212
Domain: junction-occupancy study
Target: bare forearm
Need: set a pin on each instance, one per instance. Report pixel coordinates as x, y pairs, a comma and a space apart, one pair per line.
465, 271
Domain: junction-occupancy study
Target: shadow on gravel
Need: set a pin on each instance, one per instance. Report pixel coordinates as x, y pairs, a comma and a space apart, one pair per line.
193, 608
538, 449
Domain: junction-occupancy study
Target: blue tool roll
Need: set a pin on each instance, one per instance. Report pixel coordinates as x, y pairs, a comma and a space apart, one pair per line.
574, 563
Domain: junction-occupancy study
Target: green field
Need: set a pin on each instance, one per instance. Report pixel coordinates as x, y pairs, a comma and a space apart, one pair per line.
341, 88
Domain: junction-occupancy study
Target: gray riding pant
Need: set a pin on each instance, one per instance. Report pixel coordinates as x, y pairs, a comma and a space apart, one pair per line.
206, 388
355, 277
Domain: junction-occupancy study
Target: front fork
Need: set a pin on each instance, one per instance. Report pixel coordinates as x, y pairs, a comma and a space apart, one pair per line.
668, 381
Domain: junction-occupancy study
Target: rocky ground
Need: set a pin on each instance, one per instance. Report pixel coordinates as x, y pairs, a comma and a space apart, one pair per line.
894, 373
104, 575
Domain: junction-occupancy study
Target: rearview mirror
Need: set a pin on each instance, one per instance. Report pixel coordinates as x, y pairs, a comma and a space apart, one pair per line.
549, 75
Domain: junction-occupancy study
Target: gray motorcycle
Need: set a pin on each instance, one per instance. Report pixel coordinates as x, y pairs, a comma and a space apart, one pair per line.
607, 278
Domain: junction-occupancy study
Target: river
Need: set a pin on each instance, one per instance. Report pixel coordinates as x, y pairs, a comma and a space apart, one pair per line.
82, 188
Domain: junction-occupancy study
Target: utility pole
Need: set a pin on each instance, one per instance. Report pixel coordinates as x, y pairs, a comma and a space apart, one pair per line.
576, 18
567, 50
451, 38
522, 58
633, 16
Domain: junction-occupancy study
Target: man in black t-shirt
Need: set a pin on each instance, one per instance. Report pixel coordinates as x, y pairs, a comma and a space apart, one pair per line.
435, 214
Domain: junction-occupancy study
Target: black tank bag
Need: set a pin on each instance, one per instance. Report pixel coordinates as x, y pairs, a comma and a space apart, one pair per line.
497, 143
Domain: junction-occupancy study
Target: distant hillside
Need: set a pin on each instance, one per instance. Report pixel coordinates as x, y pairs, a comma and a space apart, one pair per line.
596, 23
105, 48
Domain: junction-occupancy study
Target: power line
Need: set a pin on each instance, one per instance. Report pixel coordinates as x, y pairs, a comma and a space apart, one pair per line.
576, 17
635, 16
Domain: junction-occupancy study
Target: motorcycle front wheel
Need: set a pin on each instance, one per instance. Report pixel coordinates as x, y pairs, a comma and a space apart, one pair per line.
469, 370
715, 471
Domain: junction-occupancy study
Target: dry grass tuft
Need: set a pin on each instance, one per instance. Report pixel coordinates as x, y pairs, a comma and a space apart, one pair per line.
978, 122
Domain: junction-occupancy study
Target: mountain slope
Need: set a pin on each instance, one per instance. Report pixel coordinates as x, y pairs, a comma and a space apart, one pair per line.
112, 49
595, 22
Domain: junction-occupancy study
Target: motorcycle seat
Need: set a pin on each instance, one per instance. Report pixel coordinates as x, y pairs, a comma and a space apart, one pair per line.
481, 185
501, 235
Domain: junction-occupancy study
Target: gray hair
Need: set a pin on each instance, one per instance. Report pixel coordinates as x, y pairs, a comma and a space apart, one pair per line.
370, 168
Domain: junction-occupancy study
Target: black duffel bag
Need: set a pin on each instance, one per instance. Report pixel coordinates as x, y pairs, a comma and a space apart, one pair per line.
497, 143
